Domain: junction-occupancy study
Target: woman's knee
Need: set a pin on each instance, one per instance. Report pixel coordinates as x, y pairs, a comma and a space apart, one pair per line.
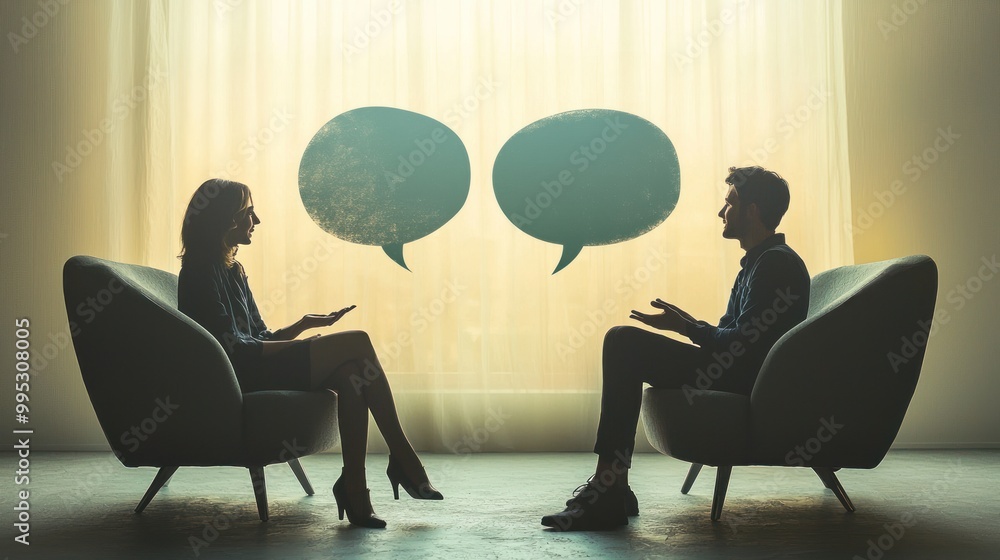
358, 340
347, 345
354, 338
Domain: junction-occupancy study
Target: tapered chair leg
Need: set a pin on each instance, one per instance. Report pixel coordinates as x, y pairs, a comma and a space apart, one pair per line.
161, 478
691, 476
721, 485
822, 476
830, 480
259, 490
301, 475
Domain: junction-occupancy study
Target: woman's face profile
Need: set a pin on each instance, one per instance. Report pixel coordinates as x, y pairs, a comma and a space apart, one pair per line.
243, 231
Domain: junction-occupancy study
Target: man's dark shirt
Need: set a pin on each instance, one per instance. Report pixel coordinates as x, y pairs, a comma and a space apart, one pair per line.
219, 299
769, 297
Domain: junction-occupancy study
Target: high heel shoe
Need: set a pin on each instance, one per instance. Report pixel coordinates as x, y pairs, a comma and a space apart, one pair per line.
417, 490
363, 516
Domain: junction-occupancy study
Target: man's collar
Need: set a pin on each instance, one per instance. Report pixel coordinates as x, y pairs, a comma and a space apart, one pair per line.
754, 253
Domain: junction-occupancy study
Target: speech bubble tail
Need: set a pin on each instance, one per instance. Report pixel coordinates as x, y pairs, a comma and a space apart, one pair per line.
395, 252
569, 253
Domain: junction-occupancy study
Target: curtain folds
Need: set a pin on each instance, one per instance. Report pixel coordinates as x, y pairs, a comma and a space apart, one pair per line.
483, 344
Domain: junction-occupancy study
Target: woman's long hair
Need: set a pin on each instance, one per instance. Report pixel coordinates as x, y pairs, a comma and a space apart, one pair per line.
215, 209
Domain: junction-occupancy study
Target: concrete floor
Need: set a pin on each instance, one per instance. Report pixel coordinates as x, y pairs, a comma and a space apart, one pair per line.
917, 504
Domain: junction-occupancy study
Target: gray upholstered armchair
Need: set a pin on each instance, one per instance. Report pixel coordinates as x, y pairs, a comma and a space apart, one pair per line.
832, 392
164, 390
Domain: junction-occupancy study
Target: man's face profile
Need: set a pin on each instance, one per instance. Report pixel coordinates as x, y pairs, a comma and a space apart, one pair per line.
733, 220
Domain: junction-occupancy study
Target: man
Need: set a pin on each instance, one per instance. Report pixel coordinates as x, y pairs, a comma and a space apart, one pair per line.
769, 297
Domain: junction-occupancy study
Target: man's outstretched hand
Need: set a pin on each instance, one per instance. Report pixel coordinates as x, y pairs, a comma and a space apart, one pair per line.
670, 318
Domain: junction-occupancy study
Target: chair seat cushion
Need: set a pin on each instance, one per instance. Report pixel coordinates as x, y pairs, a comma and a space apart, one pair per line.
283, 425
707, 427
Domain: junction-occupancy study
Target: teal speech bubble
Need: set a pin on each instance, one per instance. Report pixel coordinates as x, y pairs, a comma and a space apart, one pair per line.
384, 176
587, 177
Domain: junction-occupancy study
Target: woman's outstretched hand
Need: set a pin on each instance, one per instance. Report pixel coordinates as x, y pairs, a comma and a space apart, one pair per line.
312, 320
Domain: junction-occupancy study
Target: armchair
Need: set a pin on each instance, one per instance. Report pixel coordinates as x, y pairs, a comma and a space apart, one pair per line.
831, 393
165, 392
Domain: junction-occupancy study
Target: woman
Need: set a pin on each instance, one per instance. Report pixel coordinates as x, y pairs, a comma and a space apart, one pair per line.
213, 290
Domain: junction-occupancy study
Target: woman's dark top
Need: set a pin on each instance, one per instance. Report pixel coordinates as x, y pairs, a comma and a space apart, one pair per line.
219, 299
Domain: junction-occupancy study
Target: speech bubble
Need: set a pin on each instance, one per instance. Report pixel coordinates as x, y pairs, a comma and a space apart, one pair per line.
384, 176
587, 177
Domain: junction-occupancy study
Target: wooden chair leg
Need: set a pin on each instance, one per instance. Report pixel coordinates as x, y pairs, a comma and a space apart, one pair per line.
831, 482
301, 475
691, 476
721, 485
259, 490
161, 478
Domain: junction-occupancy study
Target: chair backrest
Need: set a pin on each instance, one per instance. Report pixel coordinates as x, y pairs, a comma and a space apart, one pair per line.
833, 390
163, 388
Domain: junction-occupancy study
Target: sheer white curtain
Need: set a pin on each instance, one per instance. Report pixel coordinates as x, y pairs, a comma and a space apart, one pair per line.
484, 346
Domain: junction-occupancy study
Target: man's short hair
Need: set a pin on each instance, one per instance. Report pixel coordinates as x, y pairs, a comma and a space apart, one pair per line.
756, 185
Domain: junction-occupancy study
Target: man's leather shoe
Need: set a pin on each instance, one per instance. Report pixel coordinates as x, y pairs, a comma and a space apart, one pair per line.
595, 508
631, 502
